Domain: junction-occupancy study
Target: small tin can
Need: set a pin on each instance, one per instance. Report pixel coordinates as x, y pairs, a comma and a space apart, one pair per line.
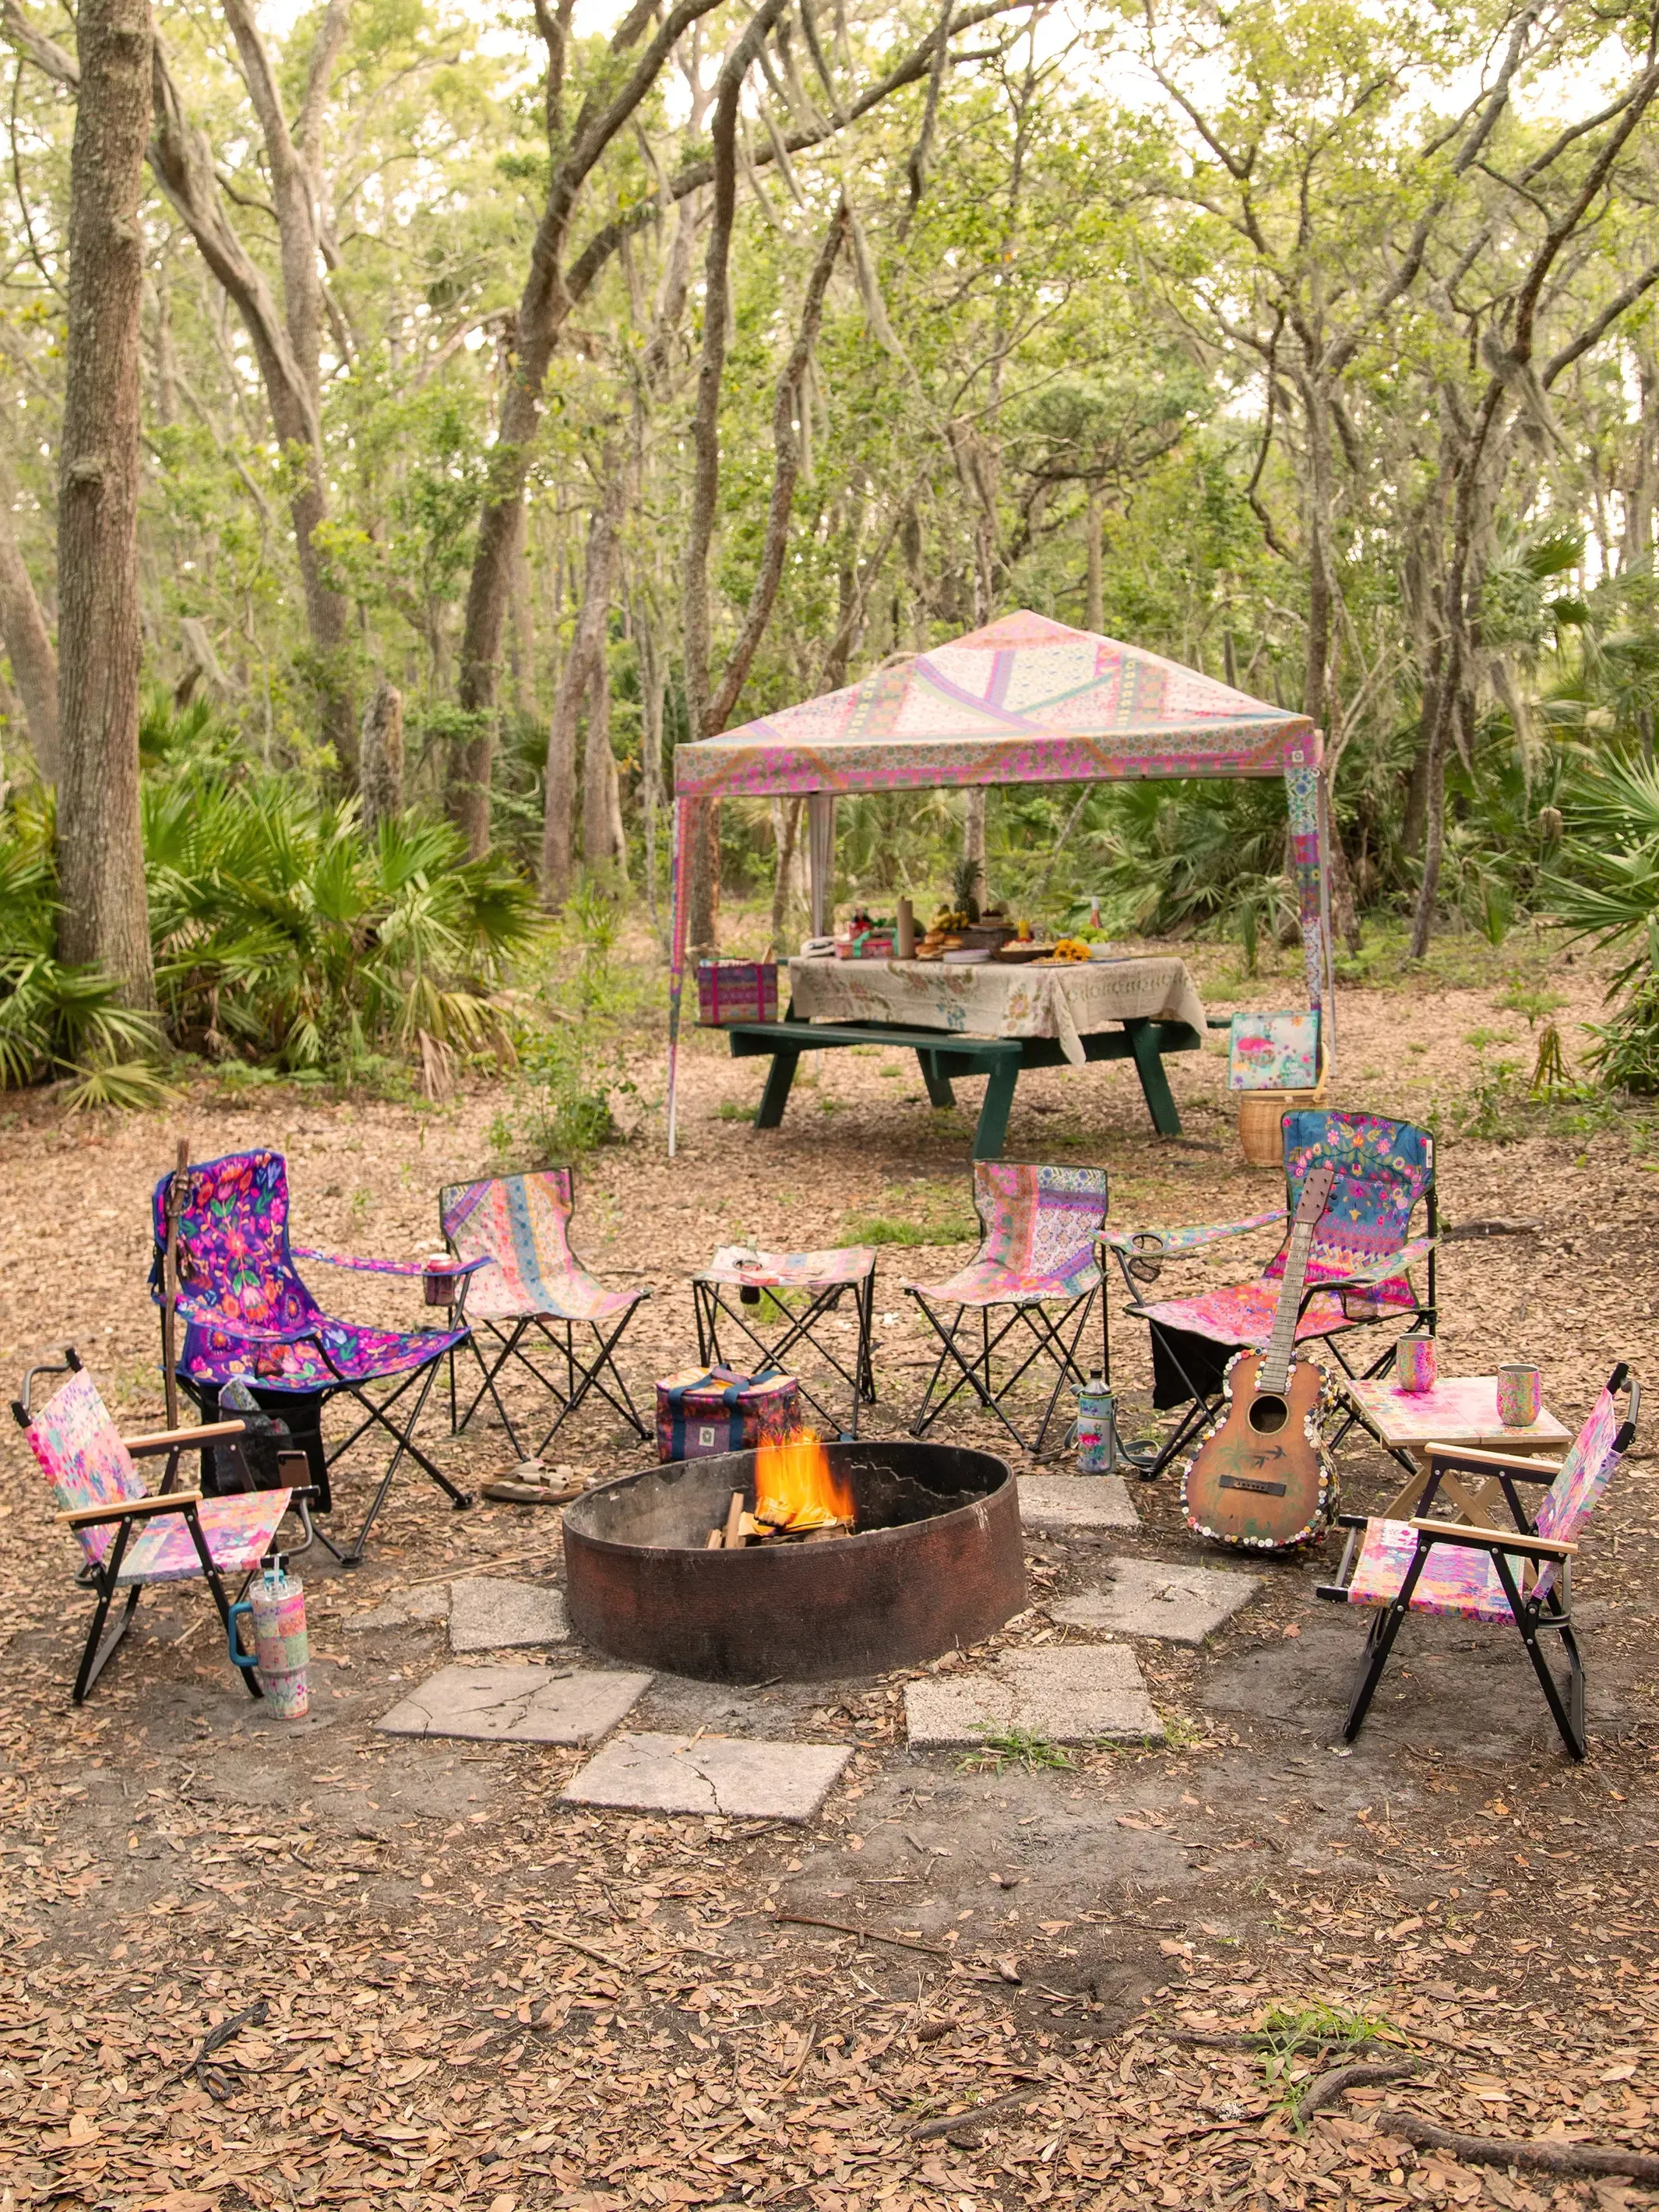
1520, 1394
1414, 1363
1095, 1431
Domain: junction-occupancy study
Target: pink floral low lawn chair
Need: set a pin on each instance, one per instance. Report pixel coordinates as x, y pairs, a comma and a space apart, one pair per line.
525, 1283
133, 1538
1039, 1230
1492, 1576
247, 1314
1356, 1276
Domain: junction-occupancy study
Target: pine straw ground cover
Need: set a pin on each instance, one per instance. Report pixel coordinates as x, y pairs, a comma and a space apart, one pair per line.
478, 1997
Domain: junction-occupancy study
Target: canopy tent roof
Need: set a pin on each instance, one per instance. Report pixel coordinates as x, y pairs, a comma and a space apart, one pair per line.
1023, 700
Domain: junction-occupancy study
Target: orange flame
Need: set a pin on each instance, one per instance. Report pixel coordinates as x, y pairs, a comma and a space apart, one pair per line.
795, 1486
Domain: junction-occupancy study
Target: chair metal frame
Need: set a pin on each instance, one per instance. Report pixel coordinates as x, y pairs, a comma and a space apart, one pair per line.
1545, 1607
103, 1575
1141, 1256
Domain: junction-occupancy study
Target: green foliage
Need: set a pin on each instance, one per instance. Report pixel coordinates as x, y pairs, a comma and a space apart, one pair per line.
1607, 888
1001, 1748
282, 933
1321, 2031
58, 1021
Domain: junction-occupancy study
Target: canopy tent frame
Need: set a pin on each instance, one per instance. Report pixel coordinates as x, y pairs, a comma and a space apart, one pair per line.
1023, 700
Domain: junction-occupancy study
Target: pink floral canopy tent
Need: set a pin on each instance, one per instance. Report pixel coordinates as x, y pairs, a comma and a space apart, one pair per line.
1023, 700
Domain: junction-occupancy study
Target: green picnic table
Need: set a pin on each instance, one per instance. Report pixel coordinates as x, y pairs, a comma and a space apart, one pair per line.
945, 1053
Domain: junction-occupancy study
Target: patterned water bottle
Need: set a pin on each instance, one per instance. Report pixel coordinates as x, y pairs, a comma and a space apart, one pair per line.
281, 1647
1096, 1427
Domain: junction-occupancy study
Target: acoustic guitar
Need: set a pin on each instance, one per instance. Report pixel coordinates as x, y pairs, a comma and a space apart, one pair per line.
1259, 1477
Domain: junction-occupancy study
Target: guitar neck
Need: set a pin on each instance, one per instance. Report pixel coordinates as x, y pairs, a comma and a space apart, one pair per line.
1275, 1369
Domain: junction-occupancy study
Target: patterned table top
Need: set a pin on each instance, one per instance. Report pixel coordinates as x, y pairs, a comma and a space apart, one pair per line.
1461, 1409
999, 1000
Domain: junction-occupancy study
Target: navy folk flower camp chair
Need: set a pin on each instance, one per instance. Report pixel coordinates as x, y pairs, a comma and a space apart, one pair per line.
1357, 1275
247, 1314
1520, 1575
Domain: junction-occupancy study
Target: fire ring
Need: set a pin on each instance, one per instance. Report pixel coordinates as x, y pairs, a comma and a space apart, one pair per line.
935, 1562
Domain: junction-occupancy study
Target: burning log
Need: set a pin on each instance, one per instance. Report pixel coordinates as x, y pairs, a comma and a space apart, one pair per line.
799, 1500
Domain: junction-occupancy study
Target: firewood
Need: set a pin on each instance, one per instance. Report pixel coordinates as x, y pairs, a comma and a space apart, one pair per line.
715, 1541
734, 1522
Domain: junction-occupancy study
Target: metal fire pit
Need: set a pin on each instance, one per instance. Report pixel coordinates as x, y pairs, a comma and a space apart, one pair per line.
936, 1562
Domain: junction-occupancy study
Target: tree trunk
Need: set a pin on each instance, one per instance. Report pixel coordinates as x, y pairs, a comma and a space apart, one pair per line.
524, 631
605, 842
29, 648
101, 860
577, 681
703, 885
382, 757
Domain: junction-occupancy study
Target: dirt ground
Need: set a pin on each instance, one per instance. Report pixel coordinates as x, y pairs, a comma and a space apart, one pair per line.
479, 1997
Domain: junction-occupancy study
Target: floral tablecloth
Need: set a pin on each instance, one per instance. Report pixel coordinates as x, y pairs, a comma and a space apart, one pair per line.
995, 1000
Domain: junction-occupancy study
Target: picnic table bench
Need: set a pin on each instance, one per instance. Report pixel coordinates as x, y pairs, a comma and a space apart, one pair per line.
945, 1053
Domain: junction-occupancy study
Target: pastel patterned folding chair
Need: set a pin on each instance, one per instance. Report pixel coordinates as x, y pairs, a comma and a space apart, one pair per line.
246, 1314
818, 1281
1520, 1575
1357, 1275
134, 1538
1040, 1231
526, 1287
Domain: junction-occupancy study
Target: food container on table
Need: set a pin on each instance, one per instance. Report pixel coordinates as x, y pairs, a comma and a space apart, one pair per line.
970, 956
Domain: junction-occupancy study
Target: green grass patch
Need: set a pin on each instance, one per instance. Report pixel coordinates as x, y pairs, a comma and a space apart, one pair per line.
883, 1229
1013, 1747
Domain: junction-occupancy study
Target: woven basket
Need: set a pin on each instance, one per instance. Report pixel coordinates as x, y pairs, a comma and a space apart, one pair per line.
1260, 1137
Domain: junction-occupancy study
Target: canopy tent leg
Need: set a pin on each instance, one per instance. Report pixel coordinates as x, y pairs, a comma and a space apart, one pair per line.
821, 858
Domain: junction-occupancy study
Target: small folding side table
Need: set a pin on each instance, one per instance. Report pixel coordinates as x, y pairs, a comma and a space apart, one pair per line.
1462, 1410
757, 1313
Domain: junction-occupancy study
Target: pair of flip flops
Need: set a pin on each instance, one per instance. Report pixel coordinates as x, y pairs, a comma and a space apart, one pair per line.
532, 1483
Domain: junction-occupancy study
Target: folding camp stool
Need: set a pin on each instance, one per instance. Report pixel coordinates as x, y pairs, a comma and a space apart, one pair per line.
761, 1281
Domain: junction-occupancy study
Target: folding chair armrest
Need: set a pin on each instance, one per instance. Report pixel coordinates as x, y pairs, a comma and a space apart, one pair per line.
250, 1332
1455, 1459
166, 1440
1495, 1539
1378, 1270
1176, 1243
128, 1509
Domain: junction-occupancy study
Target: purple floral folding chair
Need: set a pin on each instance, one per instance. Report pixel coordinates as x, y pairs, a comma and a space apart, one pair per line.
133, 1538
1040, 1230
1488, 1574
1357, 1275
525, 1286
246, 1314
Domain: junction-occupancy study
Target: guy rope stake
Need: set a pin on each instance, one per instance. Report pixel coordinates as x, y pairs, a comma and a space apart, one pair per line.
170, 1284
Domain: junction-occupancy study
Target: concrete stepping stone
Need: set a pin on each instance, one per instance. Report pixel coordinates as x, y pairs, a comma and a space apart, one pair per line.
1058, 1502
739, 1775
1083, 1694
1144, 1597
399, 1607
486, 1614
517, 1704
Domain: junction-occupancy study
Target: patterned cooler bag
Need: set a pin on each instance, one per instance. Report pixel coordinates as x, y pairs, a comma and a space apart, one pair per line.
714, 1409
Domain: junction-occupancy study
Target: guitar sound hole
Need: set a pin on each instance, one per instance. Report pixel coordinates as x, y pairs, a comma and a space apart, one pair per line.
1268, 1416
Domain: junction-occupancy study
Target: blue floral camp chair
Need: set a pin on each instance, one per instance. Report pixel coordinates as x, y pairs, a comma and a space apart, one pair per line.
1041, 1228
247, 1315
1358, 1274
527, 1284
1520, 1575
133, 1538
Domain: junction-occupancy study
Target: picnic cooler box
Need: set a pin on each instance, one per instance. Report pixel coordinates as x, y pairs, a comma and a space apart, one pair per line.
708, 1410
737, 991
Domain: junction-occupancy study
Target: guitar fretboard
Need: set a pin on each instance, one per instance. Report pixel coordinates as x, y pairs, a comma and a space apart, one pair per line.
1275, 1369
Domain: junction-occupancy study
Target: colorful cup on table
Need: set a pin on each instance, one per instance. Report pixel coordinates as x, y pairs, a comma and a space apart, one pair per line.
1520, 1394
1415, 1361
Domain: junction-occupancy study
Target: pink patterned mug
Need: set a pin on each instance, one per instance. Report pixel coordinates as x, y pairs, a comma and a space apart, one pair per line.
1415, 1361
1520, 1394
